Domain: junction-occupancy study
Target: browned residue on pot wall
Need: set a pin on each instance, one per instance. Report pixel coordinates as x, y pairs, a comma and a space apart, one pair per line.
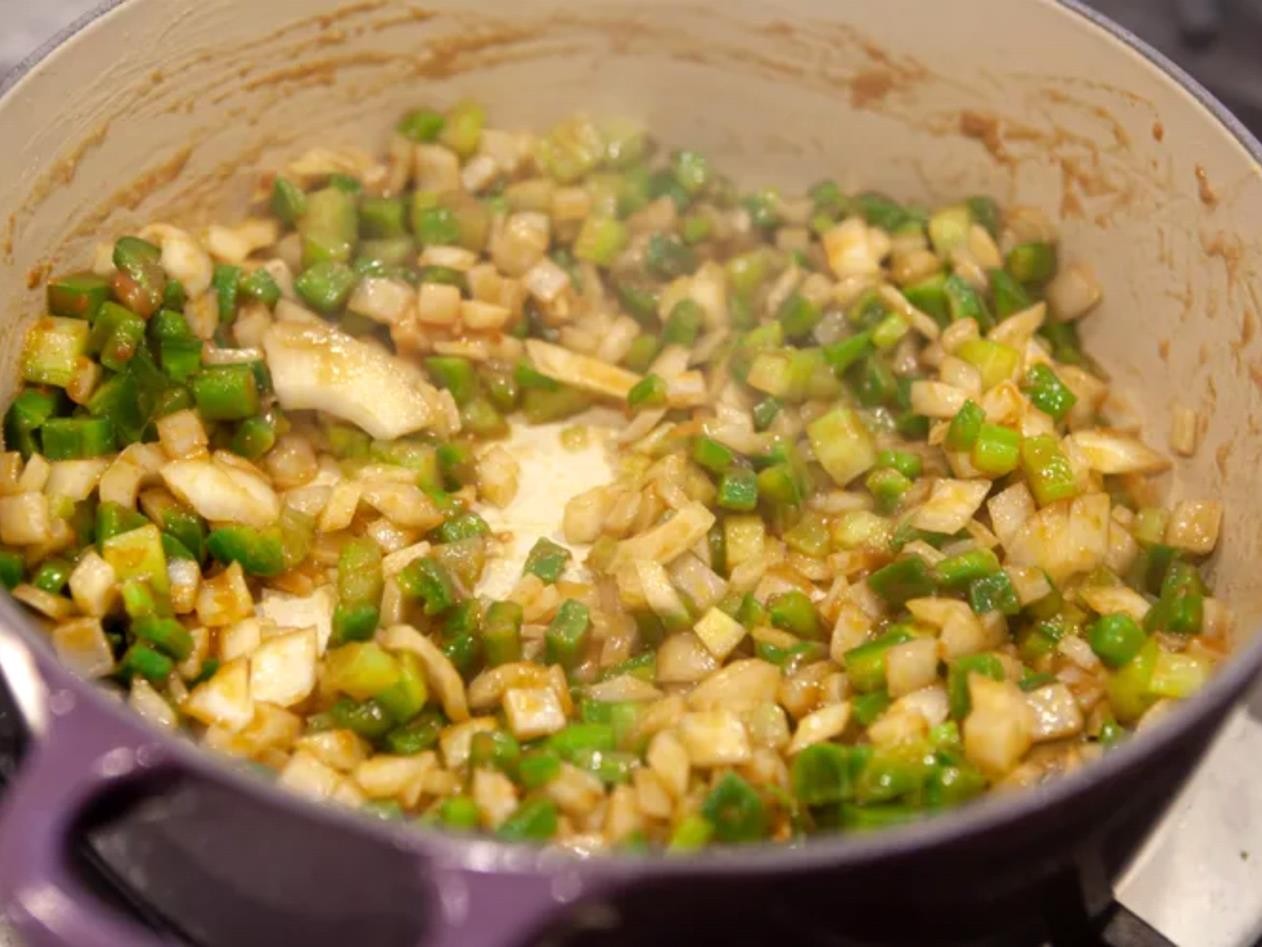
1203, 189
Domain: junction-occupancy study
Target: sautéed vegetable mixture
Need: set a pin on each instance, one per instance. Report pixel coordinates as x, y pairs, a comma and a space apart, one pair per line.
878, 540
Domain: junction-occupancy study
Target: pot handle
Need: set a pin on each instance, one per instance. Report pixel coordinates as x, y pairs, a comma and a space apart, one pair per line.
79, 757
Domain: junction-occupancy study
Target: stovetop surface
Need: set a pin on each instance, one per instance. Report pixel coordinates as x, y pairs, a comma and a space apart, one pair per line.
1198, 882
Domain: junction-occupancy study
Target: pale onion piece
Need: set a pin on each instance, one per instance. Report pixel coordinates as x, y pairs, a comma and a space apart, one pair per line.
823, 724
922, 322
394, 563
321, 162
1078, 651
668, 759
703, 586
339, 509
82, 384
981, 245
533, 712
287, 310
25, 519
931, 703
575, 791
183, 258
103, 259
960, 374
660, 596
150, 704
307, 776
436, 169
81, 645
714, 738
382, 300
1089, 530
346, 793
487, 689
918, 547
519, 242
185, 577
686, 390
440, 673
911, 666
951, 504
56, 607
301, 611
1184, 430
481, 316
1194, 526
498, 473
479, 173
190, 666
1016, 330
623, 687
74, 479
455, 258
767, 725
1111, 452
386, 776
934, 399
719, 632
138, 464
456, 740
580, 371
683, 659
225, 598
585, 514
239, 639
1009, 511
622, 814
341, 749
403, 503
1073, 292
283, 668
35, 474
182, 434
899, 725
234, 244
222, 492
669, 539
1056, 713
1004, 403
849, 631
93, 585
320, 368
438, 304
1029, 583
961, 631
546, 281
850, 249
495, 795
1108, 599
1123, 550
1000, 727
742, 683
279, 271
957, 333
224, 700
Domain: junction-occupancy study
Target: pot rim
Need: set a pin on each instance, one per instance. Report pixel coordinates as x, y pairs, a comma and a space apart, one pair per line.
484, 854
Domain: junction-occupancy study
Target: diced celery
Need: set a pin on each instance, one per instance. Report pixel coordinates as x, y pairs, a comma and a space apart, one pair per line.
53, 347
842, 444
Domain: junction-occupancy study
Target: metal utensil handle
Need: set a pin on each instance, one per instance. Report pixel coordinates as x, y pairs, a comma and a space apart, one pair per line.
80, 756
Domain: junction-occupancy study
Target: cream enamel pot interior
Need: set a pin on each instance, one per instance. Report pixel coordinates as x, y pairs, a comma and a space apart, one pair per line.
169, 108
